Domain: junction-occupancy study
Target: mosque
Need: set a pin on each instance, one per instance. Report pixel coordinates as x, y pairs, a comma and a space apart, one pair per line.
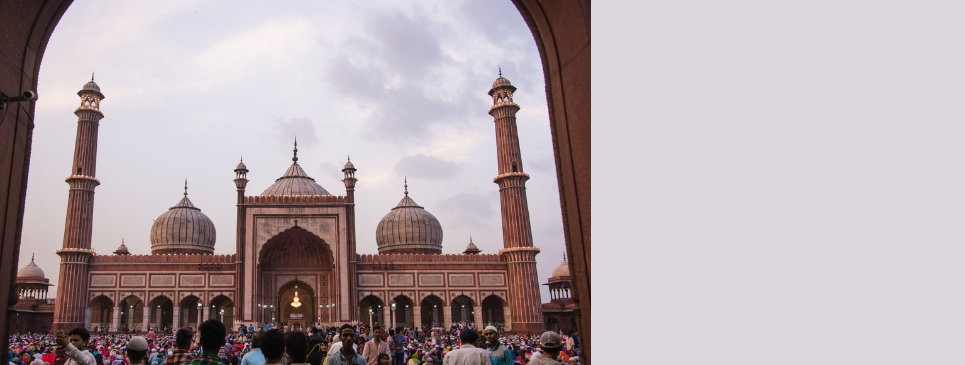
296, 260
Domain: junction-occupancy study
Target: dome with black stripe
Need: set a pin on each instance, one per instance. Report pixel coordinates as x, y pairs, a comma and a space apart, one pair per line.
409, 228
183, 229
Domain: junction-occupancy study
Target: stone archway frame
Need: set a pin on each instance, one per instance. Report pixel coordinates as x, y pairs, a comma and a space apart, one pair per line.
377, 294
562, 34
184, 295
227, 294
468, 294
501, 294
274, 245
155, 295
407, 294
425, 294
138, 294
109, 294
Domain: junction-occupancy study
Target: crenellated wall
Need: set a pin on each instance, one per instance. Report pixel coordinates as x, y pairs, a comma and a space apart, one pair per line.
167, 258
416, 258
295, 199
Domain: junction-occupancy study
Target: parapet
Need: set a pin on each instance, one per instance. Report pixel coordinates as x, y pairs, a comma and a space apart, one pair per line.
295, 199
421, 257
166, 258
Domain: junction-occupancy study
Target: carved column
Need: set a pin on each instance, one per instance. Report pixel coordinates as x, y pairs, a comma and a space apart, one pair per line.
446, 317
87, 315
177, 319
507, 319
417, 315
479, 319
386, 317
117, 318
147, 318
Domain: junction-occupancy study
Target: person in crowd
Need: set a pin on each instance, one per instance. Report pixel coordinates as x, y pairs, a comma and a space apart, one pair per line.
273, 346
296, 346
346, 354
76, 346
499, 354
398, 356
211, 338
136, 350
182, 343
374, 347
255, 356
467, 354
383, 359
551, 343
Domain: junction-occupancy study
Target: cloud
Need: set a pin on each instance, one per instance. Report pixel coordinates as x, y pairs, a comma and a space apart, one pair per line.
286, 131
469, 210
542, 165
426, 167
331, 171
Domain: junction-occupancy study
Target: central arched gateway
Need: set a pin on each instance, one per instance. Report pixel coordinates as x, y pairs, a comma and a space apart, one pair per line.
295, 260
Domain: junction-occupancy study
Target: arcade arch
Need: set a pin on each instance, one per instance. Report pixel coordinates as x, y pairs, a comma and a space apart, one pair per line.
132, 313
298, 312
432, 307
492, 311
190, 307
223, 309
403, 314
462, 309
161, 313
371, 311
101, 310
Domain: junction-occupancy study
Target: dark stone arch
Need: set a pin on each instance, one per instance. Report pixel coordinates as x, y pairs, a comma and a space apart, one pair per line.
295, 248
222, 308
492, 311
463, 309
371, 310
404, 313
561, 30
432, 310
102, 311
161, 312
304, 314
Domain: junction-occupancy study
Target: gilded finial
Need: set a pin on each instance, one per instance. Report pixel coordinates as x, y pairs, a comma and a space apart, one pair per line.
406, 186
185, 187
295, 150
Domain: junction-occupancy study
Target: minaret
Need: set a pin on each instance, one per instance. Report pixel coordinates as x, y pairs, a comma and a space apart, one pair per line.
524, 298
75, 256
241, 181
350, 180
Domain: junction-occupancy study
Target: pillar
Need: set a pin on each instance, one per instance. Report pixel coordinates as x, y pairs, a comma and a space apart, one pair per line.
417, 315
478, 314
177, 318
507, 319
446, 317
87, 317
117, 318
147, 318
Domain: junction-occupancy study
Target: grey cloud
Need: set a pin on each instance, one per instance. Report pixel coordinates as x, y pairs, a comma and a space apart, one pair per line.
286, 131
469, 210
542, 165
496, 22
426, 167
409, 45
331, 171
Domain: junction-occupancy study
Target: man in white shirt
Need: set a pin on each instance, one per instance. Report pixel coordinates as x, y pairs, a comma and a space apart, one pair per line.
76, 346
468, 354
375, 346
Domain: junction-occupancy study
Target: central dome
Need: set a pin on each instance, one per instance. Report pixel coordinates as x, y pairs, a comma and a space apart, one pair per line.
183, 229
295, 182
409, 228
31, 270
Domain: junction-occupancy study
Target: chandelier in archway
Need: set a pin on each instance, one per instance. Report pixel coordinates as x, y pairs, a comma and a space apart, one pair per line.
296, 303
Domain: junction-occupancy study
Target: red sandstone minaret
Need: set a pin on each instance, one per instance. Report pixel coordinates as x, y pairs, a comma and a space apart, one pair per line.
75, 256
524, 299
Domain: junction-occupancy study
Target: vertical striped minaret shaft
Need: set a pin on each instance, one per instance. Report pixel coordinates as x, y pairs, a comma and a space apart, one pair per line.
241, 181
76, 253
524, 297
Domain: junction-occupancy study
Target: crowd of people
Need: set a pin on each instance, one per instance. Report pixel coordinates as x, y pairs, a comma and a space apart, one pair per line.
213, 344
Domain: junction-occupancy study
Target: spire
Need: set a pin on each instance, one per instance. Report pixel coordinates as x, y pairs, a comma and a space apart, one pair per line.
500, 71
564, 254
295, 156
406, 186
185, 187
32, 256
92, 76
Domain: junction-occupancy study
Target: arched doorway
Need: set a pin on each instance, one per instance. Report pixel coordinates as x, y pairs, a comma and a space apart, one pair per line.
222, 309
132, 313
190, 308
462, 310
102, 308
298, 253
432, 308
294, 312
161, 313
492, 311
403, 314
371, 311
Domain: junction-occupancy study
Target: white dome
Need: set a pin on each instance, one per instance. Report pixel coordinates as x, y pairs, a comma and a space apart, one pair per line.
183, 229
31, 271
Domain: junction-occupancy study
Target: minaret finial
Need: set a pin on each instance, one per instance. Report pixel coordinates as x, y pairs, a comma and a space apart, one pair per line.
470, 239
295, 156
564, 257
185, 187
32, 256
406, 186
242, 158
349, 158
92, 76
500, 71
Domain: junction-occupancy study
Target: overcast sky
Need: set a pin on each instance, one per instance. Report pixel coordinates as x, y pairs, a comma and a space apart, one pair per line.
193, 85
